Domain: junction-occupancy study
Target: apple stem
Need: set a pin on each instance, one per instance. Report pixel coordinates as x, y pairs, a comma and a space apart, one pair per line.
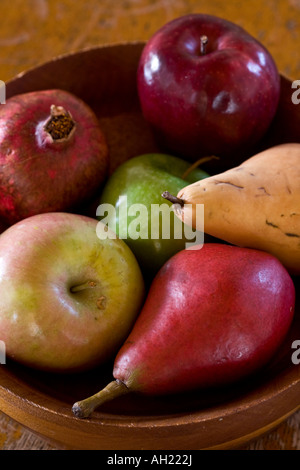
198, 163
203, 44
84, 408
85, 285
173, 199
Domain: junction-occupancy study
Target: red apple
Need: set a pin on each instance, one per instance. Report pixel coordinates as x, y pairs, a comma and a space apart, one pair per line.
206, 86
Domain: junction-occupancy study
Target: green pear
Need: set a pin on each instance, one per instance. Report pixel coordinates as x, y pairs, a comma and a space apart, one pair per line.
139, 183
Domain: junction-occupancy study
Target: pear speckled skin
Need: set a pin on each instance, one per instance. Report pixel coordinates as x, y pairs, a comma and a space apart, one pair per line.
253, 205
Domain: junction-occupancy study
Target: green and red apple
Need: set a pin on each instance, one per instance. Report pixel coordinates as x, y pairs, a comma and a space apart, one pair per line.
68, 299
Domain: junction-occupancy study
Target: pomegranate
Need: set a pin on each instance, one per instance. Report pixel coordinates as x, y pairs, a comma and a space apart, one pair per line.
53, 154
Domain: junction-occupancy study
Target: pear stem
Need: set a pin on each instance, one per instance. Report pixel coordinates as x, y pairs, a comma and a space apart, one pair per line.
203, 44
84, 408
198, 163
173, 199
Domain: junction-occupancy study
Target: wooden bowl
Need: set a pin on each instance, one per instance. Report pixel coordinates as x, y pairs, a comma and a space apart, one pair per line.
105, 78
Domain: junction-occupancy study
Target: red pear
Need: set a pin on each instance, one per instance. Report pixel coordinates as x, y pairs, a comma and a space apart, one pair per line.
212, 316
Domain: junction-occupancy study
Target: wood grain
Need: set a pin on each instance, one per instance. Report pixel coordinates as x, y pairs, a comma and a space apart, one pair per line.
34, 31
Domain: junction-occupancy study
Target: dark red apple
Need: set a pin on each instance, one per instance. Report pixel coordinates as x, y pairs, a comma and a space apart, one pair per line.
53, 154
206, 86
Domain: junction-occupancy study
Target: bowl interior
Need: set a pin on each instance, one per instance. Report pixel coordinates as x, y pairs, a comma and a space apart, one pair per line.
106, 79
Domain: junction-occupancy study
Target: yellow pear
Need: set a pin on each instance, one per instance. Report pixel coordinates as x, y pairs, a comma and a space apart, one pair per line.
254, 205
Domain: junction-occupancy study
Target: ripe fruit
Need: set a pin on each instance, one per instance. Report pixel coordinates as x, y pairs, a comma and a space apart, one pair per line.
212, 317
68, 299
141, 180
255, 204
53, 154
207, 87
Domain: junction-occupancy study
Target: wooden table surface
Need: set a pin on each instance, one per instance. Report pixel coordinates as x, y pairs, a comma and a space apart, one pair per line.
34, 31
